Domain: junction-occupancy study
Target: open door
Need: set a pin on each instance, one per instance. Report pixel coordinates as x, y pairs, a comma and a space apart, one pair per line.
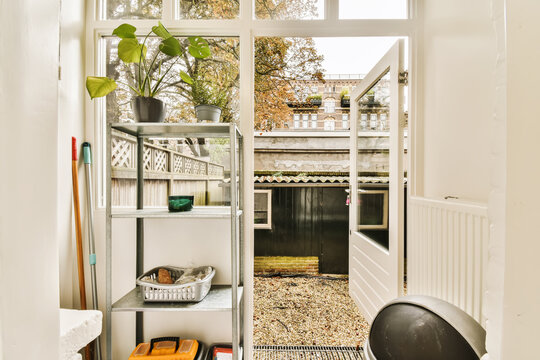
376, 233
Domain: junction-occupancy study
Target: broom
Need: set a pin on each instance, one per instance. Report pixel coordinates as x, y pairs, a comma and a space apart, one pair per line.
78, 231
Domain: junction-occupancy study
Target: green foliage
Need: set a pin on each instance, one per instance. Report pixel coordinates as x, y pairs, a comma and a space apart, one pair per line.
198, 47
130, 51
344, 93
150, 77
125, 31
204, 93
99, 86
314, 97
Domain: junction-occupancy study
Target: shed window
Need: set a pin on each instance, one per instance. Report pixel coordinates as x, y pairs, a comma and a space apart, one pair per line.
263, 209
372, 209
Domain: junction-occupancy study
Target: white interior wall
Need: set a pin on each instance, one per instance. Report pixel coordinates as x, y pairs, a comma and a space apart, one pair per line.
71, 123
29, 274
521, 310
490, 79
457, 64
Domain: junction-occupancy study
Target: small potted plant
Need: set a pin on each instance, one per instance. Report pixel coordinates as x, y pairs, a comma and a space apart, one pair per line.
150, 74
345, 97
315, 100
208, 100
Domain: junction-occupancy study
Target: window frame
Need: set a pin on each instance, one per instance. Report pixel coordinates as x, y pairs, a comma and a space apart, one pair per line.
384, 225
246, 28
268, 224
331, 122
329, 104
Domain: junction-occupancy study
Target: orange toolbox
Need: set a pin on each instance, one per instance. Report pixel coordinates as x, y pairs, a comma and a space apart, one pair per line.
169, 348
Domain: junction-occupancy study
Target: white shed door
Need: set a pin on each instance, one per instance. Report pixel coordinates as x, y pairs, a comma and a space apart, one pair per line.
377, 210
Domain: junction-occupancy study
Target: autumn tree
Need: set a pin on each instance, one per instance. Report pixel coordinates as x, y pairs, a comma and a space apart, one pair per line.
279, 62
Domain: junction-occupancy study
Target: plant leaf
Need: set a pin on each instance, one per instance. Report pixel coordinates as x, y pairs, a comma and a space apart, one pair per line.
99, 86
186, 78
125, 31
170, 46
198, 47
161, 31
129, 50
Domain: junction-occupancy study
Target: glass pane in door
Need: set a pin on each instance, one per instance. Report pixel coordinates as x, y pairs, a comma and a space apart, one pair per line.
373, 163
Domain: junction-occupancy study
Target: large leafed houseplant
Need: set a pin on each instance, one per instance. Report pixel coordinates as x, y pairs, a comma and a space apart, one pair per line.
150, 73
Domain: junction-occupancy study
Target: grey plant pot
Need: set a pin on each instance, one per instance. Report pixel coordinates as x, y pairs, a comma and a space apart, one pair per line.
148, 109
209, 113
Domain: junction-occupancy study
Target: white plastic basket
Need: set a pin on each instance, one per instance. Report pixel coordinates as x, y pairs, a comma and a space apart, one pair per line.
190, 292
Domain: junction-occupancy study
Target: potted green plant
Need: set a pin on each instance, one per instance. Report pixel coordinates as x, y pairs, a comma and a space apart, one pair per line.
150, 76
208, 100
315, 99
345, 97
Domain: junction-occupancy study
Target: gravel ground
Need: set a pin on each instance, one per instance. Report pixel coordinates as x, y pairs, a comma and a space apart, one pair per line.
306, 311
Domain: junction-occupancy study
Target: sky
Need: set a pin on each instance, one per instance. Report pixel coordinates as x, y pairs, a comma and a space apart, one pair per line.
358, 55
352, 55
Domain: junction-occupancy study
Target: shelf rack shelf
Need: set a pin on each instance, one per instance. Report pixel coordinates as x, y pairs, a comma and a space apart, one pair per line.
218, 299
221, 297
198, 212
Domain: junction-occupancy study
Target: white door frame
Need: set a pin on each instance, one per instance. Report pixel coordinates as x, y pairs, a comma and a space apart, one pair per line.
376, 273
246, 28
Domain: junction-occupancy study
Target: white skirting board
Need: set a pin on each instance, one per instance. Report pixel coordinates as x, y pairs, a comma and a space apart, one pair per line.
447, 252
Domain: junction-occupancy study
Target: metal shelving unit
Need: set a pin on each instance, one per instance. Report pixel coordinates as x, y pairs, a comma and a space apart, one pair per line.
220, 297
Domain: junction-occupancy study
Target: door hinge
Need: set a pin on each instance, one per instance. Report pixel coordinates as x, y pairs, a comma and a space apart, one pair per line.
404, 78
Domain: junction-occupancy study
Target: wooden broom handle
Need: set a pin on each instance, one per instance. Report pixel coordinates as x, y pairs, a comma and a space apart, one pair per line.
78, 227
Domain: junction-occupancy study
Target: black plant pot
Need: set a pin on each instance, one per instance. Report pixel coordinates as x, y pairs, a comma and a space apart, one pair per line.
315, 102
148, 109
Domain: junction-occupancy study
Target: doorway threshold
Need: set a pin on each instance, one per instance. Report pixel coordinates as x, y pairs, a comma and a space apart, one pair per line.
284, 352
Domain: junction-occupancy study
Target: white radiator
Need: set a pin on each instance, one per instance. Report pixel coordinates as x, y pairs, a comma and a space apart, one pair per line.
447, 252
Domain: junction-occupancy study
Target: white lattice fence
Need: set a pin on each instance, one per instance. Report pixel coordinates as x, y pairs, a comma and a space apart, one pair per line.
123, 153
156, 159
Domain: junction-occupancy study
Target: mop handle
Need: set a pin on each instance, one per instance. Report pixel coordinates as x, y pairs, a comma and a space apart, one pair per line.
87, 155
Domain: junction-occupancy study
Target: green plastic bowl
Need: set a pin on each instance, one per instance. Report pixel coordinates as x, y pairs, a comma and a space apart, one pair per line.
179, 203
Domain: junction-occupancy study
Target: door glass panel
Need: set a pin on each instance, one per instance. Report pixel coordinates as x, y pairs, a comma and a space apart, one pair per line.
130, 9
369, 9
373, 161
289, 9
207, 9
